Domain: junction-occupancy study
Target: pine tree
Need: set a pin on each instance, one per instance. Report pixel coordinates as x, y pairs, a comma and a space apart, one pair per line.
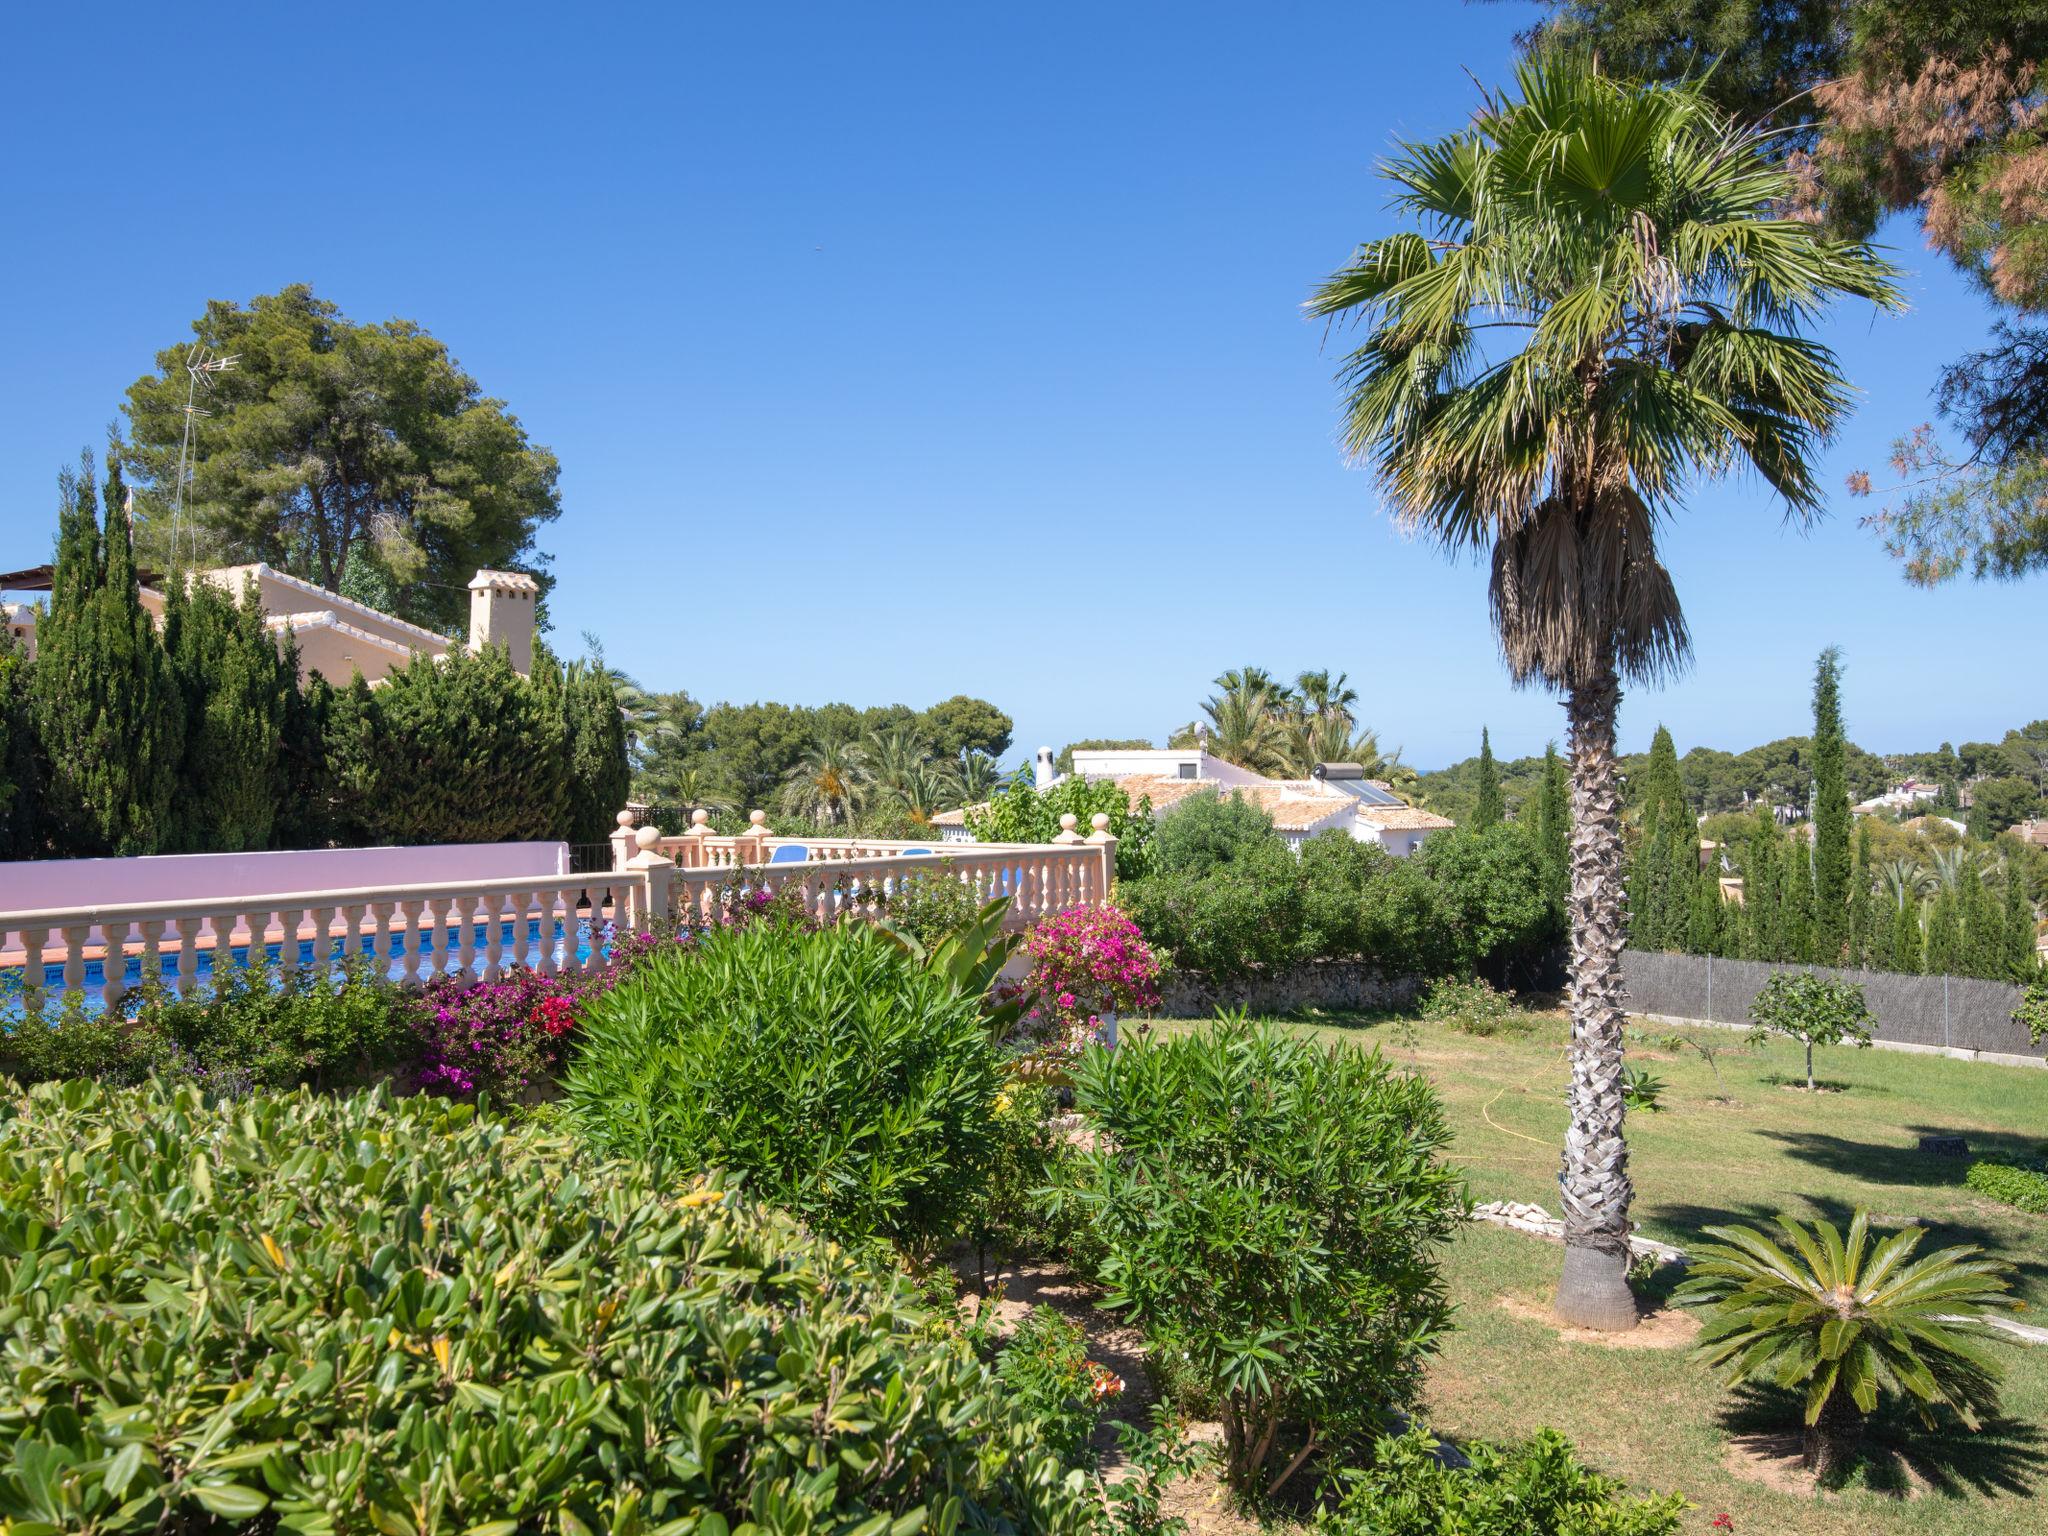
1908, 956
1490, 809
1944, 936
599, 774
1861, 915
1831, 867
233, 687
2021, 960
1554, 829
105, 703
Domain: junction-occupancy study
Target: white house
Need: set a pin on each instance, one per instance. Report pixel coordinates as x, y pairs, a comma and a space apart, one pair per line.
1338, 798
1900, 797
338, 636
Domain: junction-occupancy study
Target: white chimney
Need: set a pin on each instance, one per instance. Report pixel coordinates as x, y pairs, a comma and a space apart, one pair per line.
1043, 775
501, 613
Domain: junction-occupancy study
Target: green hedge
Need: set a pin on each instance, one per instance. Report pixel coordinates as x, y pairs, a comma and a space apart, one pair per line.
359, 1314
2016, 1185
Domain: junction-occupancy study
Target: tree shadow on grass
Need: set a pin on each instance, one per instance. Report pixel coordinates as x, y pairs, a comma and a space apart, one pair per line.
2005, 1456
1880, 1163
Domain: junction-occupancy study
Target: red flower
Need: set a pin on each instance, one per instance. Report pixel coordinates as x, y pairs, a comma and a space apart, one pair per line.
1721, 1522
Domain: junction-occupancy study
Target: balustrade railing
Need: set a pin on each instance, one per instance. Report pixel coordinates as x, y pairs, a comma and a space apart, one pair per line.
98, 955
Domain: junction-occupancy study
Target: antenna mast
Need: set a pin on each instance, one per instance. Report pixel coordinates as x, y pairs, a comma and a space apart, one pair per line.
200, 367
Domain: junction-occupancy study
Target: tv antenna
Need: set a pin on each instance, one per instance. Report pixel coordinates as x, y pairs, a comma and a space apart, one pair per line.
201, 364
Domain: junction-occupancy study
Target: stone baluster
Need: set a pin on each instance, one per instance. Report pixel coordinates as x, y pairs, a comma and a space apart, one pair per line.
113, 961
153, 936
650, 898
544, 962
188, 955
288, 943
1104, 844
33, 979
1064, 893
323, 941
494, 935
74, 959
751, 847
380, 937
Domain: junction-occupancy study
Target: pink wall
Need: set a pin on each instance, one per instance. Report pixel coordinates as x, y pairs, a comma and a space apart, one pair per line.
46, 884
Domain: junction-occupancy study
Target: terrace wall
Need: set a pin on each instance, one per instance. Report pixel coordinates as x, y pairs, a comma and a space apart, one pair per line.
1951, 1015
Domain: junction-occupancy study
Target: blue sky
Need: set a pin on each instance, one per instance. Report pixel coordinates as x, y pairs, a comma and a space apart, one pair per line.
898, 351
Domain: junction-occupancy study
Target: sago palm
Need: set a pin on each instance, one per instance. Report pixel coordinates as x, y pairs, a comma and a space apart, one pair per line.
1844, 1322
1601, 307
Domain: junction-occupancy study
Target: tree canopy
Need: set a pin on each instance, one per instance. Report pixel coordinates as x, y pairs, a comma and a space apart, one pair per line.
359, 456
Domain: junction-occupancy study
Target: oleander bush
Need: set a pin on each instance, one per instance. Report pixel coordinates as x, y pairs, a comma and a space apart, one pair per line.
341, 1314
1472, 1007
1277, 1212
1537, 1489
843, 1080
2022, 1186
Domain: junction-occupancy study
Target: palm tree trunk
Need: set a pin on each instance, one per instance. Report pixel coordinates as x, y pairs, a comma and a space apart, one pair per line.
1594, 1183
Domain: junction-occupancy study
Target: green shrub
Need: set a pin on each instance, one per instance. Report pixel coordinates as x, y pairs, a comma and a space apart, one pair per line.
1844, 1322
1359, 903
1814, 1009
353, 1314
1491, 886
1274, 1210
1539, 1489
109, 1047
1206, 832
1012, 1213
1642, 1092
2032, 1013
846, 1082
1471, 1007
1228, 924
929, 907
2024, 1188
275, 1031
1045, 1365
1021, 813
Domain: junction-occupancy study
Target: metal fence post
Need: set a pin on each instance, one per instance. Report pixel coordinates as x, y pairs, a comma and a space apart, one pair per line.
1710, 989
1947, 1037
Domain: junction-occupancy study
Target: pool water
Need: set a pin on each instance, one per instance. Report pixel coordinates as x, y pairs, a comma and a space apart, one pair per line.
437, 950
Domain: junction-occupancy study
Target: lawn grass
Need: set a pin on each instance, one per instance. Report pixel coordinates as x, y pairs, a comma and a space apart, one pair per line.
1740, 1147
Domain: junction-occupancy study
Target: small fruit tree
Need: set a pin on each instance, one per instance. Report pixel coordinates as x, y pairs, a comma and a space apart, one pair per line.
1813, 1009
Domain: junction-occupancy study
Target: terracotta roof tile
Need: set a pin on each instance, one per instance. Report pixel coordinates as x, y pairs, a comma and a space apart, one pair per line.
1403, 818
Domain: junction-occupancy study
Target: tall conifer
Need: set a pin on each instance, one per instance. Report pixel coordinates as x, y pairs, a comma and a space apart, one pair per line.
1860, 938
598, 771
1908, 952
1490, 809
106, 708
1831, 860
1944, 936
2021, 956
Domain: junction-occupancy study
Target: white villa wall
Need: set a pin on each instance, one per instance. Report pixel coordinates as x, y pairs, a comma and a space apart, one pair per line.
59, 883
1111, 763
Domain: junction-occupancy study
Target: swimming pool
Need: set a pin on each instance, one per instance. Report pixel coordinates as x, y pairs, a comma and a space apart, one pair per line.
407, 956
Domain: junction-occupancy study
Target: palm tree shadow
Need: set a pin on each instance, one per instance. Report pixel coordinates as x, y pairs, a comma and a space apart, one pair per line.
2005, 1456
1877, 1163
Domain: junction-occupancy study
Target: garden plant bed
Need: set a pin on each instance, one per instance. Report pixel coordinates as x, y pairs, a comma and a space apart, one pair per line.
1655, 1417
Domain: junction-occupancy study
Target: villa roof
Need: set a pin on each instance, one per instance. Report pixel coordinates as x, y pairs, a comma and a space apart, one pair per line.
1403, 818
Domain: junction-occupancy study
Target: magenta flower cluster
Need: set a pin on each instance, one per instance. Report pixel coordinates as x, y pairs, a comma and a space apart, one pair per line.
1087, 962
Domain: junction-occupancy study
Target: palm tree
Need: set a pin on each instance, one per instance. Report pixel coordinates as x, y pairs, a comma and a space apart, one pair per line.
925, 788
1313, 739
1603, 305
1244, 720
1320, 695
979, 777
889, 757
827, 784
1901, 881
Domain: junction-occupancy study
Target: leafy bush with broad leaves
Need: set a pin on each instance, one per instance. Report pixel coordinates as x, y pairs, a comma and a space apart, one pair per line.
1276, 1211
1491, 885
930, 907
1228, 924
845, 1081
1538, 1489
2021, 1186
1843, 1322
1361, 903
1020, 812
1814, 1009
2032, 1013
353, 1314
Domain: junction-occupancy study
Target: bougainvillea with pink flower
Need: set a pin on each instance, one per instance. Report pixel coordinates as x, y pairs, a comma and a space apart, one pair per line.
1088, 962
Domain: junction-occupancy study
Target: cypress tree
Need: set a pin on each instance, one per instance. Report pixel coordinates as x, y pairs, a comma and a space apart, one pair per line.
1831, 866
305, 811
105, 704
1908, 957
1762, 892
1944, 936
598, 772
352, 764
1706, 931
1554, 829
1860, 939
1795, 905
2021, 960
233, 690
1491, 807
20, 765
1666, 854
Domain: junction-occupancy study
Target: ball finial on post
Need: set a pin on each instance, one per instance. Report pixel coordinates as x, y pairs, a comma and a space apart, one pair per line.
647, 837
758, 818
699, 817
624, 818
